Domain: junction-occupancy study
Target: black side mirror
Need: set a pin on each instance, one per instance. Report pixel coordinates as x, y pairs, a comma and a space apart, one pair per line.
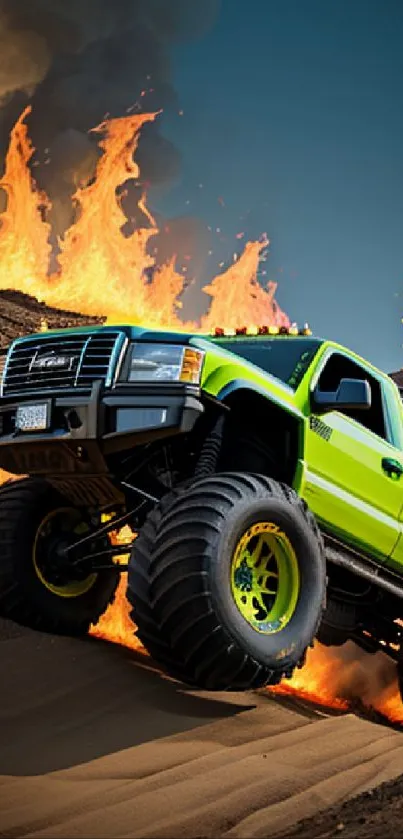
351, 394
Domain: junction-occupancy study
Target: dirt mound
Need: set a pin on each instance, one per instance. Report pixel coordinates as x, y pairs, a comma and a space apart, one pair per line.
372, 815
21, 314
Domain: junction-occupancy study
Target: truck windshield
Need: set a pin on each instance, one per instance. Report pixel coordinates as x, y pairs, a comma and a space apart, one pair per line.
286, 358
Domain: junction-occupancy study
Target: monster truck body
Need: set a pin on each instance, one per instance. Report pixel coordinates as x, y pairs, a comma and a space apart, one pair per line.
187, 437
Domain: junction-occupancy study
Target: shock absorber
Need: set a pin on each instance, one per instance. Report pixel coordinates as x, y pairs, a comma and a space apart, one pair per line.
211, 449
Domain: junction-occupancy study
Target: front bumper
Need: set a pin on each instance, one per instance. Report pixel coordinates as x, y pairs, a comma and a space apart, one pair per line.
84, 429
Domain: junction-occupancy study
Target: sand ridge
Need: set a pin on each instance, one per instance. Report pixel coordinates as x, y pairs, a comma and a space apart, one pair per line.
95, 742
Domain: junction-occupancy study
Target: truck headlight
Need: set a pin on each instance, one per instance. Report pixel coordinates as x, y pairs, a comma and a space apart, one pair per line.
165, 363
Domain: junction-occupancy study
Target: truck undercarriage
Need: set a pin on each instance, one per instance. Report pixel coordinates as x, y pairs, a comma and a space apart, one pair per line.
364, 602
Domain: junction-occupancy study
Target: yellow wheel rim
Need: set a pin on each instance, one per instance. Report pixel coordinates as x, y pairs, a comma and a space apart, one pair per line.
72, 524
265, 580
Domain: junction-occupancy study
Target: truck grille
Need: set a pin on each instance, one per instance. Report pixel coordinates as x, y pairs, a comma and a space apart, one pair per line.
59, 363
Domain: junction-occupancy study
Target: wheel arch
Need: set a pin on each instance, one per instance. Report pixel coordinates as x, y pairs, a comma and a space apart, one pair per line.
252, 409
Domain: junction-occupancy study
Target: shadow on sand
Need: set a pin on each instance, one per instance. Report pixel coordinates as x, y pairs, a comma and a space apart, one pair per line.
64, 702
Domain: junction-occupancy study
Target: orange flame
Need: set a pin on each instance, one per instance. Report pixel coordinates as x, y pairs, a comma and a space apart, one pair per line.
115, 625
102, 271
339, 677
24, 247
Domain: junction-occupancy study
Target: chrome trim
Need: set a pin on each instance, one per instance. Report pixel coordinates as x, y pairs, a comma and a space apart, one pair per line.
120, 352
80, 360
115, 360
23, 349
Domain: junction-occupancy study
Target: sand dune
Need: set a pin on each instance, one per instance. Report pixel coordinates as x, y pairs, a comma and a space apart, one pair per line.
95, 742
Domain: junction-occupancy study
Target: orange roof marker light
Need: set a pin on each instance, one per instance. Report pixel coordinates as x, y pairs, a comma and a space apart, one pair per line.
260, 331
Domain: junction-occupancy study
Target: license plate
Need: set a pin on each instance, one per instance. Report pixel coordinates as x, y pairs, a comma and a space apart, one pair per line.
32, 417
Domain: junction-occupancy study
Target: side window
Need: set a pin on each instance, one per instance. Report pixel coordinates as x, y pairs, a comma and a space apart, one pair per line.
340, 367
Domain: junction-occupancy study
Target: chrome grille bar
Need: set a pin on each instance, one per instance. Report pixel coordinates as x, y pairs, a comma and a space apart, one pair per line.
59, 362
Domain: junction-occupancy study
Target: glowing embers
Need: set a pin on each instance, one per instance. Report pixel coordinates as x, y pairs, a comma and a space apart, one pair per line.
293, 330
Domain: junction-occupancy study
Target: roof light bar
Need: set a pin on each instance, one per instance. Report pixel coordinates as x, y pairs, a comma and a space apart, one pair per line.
222, 332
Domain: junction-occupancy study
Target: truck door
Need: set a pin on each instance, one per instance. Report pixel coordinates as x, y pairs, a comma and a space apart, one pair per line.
354, 468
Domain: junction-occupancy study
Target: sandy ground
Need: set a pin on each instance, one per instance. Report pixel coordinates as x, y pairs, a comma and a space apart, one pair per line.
95, 742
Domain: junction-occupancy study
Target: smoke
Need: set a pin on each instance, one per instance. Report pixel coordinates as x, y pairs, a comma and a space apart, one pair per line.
80, 60
185, 238
361, 675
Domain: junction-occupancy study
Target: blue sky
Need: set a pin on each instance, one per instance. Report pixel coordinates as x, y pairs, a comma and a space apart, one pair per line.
293, 115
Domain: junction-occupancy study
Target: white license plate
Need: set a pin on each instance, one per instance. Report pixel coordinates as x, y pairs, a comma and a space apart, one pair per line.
32, 417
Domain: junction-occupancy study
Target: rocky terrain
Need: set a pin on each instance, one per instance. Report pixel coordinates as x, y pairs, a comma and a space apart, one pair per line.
21, 314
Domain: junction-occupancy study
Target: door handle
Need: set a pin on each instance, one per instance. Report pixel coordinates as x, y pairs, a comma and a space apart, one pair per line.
392, 467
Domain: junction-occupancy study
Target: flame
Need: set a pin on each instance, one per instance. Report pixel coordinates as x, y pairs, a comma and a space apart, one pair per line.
317, 681
115, 624
24, 247
339, 678
102, 271
239, 291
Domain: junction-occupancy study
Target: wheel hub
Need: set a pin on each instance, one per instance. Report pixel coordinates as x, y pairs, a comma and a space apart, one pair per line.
243, 577
58, 531
265, 578
55, 564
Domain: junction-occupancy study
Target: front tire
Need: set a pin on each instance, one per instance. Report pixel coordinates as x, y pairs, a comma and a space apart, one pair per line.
232, 587
33, 592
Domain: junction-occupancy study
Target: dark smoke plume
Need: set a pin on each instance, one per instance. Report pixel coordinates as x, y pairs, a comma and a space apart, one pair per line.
76, 61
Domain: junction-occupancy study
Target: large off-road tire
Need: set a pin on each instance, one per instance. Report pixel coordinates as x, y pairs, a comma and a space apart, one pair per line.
33, 520
227, 581
138, 593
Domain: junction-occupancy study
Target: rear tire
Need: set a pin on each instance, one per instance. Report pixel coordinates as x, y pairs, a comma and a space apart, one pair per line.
187, 608
26, 596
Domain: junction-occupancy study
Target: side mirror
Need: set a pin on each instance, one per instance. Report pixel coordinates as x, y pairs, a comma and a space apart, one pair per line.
351, 394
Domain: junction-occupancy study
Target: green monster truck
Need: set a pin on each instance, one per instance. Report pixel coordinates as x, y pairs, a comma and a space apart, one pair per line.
257, 471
